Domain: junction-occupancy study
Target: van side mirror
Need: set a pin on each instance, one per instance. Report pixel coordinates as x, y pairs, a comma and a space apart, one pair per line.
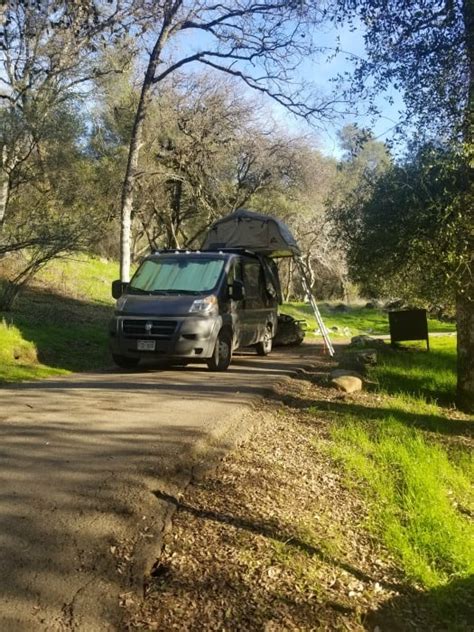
118, 288
238, 291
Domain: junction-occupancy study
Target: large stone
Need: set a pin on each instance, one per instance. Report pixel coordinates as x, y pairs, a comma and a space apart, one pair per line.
342, 372
347, 383
367, 357
358, 360
364, 341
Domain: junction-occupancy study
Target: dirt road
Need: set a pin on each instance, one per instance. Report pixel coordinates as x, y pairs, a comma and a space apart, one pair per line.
83, 460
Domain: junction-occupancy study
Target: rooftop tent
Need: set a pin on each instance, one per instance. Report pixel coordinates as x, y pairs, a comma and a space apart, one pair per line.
263, 234
268, 237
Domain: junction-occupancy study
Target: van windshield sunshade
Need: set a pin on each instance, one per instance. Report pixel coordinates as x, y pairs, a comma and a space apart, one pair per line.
177, 275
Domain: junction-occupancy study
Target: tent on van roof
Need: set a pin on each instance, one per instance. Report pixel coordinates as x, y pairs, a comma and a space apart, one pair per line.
263, 234
268, 236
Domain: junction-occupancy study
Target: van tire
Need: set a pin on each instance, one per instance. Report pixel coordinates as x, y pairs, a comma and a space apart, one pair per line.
264, 347
222, 354
125, 362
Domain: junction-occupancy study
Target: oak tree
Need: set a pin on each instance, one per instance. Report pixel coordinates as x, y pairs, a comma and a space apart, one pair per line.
425, 49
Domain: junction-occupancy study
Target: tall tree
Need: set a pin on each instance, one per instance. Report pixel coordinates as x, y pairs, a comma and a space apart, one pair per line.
425, 48
50, 53
402, 234
259, 42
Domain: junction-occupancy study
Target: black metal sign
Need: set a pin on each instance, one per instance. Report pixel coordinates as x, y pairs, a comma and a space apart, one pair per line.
409, 324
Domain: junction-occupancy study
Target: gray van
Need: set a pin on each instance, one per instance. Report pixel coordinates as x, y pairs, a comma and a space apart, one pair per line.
191, 306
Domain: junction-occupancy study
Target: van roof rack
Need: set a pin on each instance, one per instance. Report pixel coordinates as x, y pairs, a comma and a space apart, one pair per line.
231, 250
159, 251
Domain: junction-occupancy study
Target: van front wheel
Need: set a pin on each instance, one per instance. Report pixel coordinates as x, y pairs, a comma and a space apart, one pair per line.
222, 354
265, 346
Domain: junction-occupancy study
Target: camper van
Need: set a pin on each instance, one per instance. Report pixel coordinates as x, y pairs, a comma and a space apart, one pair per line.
194, 306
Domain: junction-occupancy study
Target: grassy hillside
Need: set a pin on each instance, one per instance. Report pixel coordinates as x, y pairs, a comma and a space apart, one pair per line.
18, 357
61, 319
82, 277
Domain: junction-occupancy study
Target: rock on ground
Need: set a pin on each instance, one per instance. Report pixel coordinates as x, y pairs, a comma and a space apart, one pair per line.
347, 383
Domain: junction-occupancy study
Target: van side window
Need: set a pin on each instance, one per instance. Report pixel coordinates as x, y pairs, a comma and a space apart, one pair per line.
235, 272
231, 274
252, 279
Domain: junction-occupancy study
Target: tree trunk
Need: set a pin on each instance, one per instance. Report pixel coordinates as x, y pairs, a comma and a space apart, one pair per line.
465, 300
310, 271
289, 281
128, 187
465, 349
4, 187
345, 293
176, 189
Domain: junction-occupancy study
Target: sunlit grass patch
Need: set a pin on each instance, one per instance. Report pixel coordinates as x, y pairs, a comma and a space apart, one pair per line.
69, 345
18, 357
419, 489
420, 496
418, 372
353, 320
81, 276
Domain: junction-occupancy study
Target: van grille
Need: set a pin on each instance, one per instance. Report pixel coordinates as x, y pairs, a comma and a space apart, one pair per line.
137, 328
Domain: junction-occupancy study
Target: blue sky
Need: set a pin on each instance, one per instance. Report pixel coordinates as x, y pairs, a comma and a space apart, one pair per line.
319, 72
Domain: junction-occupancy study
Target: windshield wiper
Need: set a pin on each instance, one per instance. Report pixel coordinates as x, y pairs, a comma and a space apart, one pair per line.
137, 290
173, 291
163, 292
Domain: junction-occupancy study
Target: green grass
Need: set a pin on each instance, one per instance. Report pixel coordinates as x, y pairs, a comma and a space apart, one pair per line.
353, 322
429, 375
18, 357
82, 277
416, 488
63, 317
411, 459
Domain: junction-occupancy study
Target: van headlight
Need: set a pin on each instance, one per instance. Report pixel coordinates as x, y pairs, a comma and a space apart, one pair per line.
207, 305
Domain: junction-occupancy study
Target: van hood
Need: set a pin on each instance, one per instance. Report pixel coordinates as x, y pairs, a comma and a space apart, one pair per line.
157, 305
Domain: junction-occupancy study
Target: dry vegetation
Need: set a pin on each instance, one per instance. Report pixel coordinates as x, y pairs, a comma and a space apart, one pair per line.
276, 539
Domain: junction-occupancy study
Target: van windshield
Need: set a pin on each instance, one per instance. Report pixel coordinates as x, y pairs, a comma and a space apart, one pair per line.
176, 275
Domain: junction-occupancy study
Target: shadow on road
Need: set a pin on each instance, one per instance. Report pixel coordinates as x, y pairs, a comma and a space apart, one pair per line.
80, 457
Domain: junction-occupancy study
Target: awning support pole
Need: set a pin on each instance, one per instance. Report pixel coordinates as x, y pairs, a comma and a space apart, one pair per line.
307, 287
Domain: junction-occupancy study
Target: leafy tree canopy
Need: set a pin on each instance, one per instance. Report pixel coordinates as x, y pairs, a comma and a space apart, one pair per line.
410, 237
422, 48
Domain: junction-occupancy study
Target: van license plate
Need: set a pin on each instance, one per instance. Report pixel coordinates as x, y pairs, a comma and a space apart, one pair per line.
146, 345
